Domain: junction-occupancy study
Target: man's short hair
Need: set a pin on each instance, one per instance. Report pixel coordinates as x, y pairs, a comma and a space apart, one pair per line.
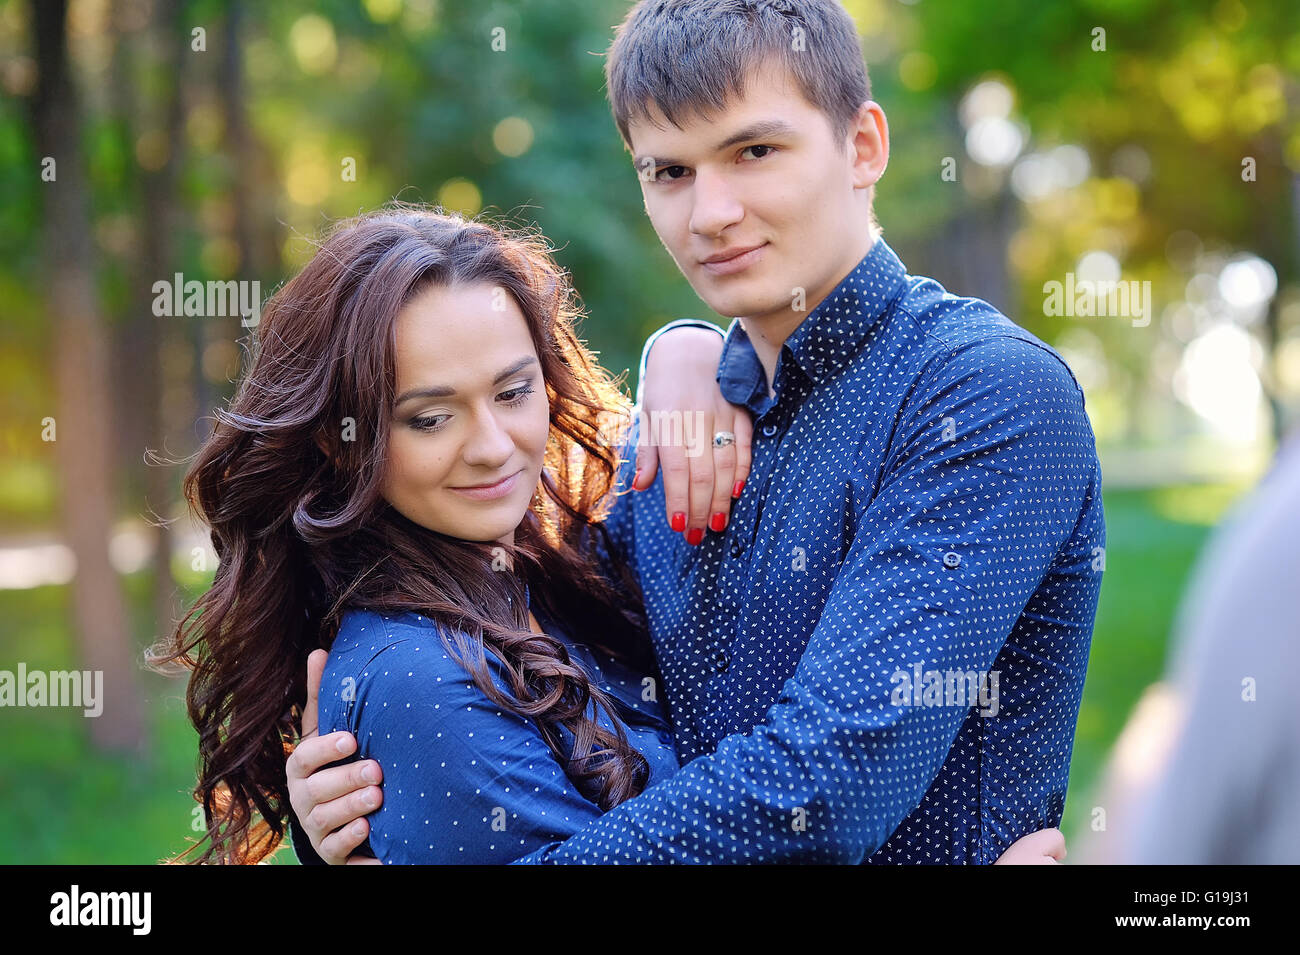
689, 56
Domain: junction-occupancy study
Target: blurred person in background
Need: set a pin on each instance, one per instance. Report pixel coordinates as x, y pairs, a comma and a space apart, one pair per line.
1207, 771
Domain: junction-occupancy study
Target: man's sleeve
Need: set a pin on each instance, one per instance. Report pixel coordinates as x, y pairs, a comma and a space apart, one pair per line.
613, 545
994, 455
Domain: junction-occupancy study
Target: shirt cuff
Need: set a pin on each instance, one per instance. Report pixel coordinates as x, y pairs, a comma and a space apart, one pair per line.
649, 343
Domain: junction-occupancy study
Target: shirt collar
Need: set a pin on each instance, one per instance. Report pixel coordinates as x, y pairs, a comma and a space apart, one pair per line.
829, 337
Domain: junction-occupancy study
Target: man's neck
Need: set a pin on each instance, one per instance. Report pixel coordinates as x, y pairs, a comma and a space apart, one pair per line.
767, 333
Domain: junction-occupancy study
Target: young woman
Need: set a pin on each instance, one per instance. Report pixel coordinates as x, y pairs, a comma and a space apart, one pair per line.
412, 475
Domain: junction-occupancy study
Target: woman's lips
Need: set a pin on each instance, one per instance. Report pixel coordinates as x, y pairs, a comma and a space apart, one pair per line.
492, 491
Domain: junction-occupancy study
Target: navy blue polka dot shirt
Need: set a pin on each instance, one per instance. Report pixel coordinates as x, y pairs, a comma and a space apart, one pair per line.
881, 658
465, 781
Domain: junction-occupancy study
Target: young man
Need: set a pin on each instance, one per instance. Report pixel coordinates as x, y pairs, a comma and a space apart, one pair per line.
880, 658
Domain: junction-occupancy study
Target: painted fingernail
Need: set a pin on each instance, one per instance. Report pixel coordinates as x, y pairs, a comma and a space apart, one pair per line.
738, 489
679, 521
718, 521
695, 536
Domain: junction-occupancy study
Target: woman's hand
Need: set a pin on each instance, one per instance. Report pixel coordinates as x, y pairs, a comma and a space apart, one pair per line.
681, 409
1044, 847
331, 803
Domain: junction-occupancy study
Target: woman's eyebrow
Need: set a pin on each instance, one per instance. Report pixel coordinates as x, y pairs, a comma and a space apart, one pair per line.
442, 391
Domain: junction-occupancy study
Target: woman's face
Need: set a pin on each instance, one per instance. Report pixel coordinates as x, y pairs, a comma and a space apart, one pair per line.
471, 411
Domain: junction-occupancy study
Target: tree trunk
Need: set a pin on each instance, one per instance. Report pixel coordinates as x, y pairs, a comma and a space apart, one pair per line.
83, 406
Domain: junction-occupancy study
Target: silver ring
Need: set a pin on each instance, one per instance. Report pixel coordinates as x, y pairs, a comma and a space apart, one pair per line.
723, 438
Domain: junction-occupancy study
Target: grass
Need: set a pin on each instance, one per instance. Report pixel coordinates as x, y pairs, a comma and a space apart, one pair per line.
63, 802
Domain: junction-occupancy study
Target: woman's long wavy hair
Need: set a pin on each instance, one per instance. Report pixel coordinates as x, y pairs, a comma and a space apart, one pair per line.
289, 483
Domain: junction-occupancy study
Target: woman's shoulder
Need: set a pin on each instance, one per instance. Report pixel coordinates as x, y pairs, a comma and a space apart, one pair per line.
367, 635
362, 628
398, 658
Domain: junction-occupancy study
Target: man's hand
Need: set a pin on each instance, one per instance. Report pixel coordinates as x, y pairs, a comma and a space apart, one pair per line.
682, 408
331, 803
1044, 847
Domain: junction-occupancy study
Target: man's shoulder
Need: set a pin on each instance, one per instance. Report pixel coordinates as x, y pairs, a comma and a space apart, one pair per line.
963, 335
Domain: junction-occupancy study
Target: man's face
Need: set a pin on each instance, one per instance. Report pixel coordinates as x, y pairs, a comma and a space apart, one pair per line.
759, 201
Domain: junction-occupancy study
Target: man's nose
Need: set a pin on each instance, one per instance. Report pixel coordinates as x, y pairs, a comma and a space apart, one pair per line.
714, 204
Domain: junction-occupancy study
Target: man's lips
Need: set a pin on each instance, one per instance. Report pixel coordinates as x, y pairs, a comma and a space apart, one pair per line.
733, 260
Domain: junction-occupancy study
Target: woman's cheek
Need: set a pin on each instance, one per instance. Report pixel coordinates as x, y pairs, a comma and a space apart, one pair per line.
413, 464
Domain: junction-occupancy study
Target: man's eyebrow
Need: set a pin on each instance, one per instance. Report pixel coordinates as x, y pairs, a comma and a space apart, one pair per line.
760, 130
442, 391
763, 129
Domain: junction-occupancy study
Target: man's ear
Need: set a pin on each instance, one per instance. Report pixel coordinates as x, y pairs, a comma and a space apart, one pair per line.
869, 145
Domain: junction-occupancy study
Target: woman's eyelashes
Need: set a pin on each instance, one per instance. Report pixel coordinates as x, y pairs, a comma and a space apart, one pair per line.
511, 399
519, 395
427, 422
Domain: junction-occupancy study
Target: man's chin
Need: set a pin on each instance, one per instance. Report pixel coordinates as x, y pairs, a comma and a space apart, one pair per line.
741, 305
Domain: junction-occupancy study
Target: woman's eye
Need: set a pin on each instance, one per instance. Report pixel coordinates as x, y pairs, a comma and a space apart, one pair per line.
427, 422
749, 149
516, 395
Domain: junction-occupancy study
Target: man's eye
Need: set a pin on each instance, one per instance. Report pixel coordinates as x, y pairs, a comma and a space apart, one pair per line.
767, 150
680, 170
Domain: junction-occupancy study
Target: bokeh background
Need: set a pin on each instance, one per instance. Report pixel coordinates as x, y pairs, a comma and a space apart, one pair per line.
214, 139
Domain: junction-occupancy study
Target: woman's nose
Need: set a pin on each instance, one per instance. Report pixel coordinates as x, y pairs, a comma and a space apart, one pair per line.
489, 444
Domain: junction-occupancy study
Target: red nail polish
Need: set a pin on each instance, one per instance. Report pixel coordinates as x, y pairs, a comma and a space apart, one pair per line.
694, 536
738, 489
718, 522
679, 521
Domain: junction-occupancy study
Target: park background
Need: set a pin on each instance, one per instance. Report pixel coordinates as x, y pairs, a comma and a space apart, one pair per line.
215, 139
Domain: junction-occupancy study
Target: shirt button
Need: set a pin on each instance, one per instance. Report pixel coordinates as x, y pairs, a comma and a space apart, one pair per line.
952, 560
737, 548
721, 660
769, 430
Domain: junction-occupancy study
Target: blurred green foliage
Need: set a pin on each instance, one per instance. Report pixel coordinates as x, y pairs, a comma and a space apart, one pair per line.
286, 99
